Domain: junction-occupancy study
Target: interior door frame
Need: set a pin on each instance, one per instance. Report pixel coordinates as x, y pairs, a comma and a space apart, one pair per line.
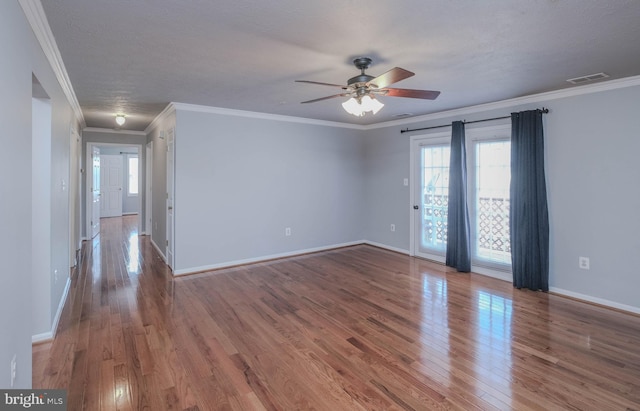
75, 196
89, 179
148, 198
170, 138
95, 153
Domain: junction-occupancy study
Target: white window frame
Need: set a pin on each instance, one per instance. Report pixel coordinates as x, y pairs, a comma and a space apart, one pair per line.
129, 156
473, 137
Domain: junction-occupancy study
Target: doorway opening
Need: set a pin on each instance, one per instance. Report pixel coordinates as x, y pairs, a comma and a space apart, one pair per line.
117, 176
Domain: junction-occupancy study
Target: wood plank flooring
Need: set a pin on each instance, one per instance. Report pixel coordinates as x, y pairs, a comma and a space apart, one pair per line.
357, 328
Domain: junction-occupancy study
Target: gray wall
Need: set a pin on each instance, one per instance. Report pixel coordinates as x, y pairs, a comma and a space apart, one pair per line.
24, 57
592, 179
41, 216
241, 181
15, 215
93, 136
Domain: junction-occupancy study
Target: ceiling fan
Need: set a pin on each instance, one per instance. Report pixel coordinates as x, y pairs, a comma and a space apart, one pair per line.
362, 89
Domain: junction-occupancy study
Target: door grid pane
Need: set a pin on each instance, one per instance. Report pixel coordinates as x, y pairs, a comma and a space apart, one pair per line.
493, 176
435, 191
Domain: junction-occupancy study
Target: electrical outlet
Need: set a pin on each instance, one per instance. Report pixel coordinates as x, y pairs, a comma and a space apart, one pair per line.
406, 181
14, 367
393, 227
583, 262
287, 231
55, 276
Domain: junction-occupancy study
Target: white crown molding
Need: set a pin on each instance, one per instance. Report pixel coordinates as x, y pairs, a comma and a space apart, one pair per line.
510, 103
263, 116
113, 131
38, 21
502, 104
170, 108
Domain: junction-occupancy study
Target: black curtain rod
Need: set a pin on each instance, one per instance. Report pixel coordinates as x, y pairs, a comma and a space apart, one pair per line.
406, 130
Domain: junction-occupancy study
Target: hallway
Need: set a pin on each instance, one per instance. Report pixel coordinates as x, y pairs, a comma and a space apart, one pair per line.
101, 350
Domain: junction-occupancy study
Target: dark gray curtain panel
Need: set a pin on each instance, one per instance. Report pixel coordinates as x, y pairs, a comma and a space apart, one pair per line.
528, 212
458, 230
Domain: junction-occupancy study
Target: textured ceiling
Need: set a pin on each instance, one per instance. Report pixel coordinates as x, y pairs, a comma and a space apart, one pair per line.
137, 56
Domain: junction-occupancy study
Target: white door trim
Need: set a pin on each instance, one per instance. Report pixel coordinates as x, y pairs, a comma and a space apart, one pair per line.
148, 214
75, 198
170, 202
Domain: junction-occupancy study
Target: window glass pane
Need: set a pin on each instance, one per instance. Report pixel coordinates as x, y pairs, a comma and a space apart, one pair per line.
133, 175
435, 191
493, 176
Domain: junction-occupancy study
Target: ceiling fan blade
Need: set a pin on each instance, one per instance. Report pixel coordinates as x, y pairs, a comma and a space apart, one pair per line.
321, 84
392, 76
405, 92
325, 98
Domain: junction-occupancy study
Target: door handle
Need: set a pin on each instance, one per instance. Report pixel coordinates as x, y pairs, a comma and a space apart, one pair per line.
170, 208
415, 207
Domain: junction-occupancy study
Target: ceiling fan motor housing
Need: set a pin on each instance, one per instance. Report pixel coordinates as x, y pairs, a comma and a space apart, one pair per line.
361, 63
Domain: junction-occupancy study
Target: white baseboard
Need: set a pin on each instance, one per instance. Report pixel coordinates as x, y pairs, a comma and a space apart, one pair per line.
153, 243
488, 272
133, 213
595, 300
386, 247
42, 338
226, 264
50, 335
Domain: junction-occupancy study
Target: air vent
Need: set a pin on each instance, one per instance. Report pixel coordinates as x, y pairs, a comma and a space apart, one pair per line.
588, 79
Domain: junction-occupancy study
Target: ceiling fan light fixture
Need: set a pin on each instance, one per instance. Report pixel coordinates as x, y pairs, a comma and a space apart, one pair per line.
359, 107
363, 88
352, 106
369, 103
120, 119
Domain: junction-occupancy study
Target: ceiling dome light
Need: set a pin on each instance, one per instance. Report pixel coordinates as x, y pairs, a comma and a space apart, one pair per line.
359, 107
120, 119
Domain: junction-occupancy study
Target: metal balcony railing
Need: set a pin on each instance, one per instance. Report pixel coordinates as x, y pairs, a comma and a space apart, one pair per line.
492, 225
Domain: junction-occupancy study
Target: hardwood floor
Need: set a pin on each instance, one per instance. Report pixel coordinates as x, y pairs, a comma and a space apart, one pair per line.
357, 328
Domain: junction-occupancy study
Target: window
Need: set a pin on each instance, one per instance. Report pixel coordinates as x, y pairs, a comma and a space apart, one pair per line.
132, 184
